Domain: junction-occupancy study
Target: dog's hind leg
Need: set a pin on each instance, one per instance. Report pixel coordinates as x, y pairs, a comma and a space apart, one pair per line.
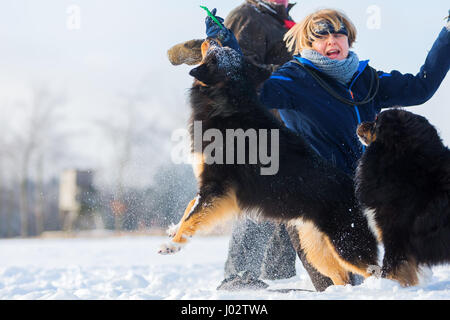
397, 264
202, 213
320, 281
320, 254
353, 244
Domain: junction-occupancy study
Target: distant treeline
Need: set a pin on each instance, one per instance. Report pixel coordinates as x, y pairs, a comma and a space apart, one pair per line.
156, 206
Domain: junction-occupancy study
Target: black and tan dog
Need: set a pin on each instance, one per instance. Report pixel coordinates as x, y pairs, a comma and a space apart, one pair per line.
305, 192
403, 182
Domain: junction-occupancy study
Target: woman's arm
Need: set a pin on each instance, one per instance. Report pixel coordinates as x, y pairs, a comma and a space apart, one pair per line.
397, 89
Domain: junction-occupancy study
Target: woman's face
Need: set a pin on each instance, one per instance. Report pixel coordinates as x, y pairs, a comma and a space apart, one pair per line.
333, 45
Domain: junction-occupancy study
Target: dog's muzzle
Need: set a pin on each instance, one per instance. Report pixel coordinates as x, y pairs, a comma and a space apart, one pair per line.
366, 133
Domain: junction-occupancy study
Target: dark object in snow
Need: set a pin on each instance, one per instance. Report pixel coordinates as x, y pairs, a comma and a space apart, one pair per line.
288, 290
242, 282
305, 191
403, 182
260, 249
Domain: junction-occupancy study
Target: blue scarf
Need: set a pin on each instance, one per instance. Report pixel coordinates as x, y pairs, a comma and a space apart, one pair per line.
340, 70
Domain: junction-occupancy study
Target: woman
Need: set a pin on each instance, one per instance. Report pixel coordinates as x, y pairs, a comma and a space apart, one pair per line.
325, 91
323, 39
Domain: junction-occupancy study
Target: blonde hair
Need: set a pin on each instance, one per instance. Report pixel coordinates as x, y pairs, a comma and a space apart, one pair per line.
303, 34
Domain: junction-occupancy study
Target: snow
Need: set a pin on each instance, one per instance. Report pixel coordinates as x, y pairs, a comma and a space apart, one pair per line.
129, 267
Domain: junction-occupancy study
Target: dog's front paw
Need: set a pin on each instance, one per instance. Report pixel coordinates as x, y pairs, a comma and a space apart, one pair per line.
374, 270
172, 230
169, 248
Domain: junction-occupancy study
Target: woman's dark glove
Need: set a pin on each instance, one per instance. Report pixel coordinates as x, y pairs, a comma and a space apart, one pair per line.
224, 35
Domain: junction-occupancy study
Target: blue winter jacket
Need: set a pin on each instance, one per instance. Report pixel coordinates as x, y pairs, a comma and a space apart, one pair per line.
330, 125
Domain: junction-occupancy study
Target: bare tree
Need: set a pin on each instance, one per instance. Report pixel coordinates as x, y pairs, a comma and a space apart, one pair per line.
38, 123
39, 207
7, 174
121, 132
131, 135
3, 214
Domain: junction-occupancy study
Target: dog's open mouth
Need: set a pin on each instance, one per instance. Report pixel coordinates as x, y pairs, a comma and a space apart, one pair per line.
366, 133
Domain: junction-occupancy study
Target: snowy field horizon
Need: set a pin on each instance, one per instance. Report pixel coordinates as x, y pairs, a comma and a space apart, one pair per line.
129, 268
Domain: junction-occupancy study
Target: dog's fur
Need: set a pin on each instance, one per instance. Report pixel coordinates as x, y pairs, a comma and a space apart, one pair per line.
403, 181
306, 192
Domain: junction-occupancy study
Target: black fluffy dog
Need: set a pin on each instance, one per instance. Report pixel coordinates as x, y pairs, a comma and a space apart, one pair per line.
403, 181
305, 192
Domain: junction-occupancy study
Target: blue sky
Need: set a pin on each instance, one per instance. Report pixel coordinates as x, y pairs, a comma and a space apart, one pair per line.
120, 48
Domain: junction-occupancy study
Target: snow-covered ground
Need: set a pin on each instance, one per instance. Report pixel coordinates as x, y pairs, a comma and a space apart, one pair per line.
130, 268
